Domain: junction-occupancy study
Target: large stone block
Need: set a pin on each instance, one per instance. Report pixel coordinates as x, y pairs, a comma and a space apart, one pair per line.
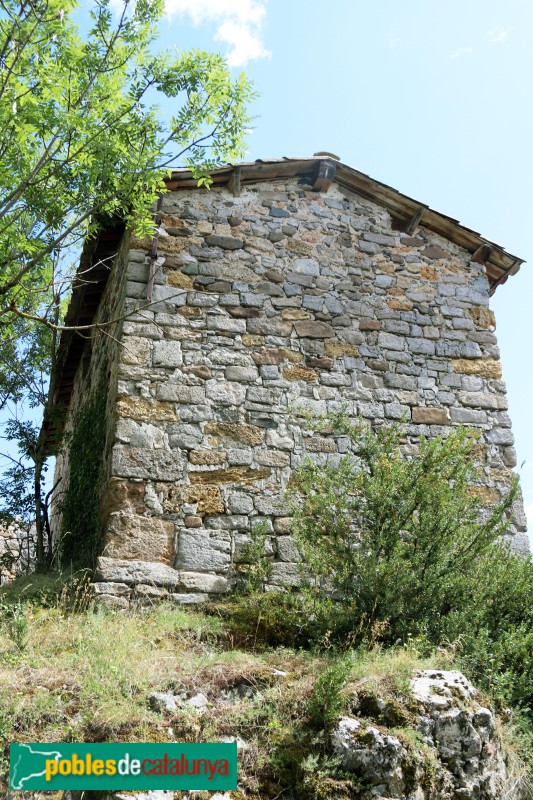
310, 329
226, 324
140, 434
493, 402
139, 537
283, 573
145, 409
430, 416
133, 572
485, 367
201, 582
225, 393
167, 354
235, 432
175, 391
203, 550
238, 474
135, 351
136, 462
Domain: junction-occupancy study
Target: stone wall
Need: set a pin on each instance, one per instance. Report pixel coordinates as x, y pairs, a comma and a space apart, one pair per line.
17, 550
278, 300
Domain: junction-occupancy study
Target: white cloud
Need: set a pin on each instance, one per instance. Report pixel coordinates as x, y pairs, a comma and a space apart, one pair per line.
461, 51
238, 24
498, 35
529, 514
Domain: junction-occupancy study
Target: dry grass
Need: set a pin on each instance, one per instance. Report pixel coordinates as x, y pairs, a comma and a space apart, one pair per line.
86, 675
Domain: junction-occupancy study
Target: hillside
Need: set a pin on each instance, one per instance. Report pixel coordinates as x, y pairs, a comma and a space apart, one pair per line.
70, 672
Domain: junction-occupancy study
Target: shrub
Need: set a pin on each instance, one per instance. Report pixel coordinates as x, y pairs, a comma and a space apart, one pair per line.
327, 702
399, 540
399, 548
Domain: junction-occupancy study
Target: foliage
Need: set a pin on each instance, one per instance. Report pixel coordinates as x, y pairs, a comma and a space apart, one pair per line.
254, 565
401, 547
14, 620
80, 138
80, 500
397, 539
326, 702
87, 676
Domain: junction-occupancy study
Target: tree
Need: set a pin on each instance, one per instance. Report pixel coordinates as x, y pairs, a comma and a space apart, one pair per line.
79, 138
83, 142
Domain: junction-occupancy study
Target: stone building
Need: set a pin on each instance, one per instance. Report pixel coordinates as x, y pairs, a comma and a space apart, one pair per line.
292, 284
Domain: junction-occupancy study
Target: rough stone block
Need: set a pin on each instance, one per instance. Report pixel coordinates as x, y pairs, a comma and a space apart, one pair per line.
389, 341
203, 550
310, 329
132, 572
140, 434
112, 602
241, 374
136, 462
237, 432
286, 549
468, 416
240, 503
146, 590
135, 351
500, 436
285, 573
293, 373
167, 354
145, 410
201, 582
207, 457
230, 475
493, 402
485, 367
180, 394
206, 498
320, 444
188, 599
430, 416
224, 324
139, 537
225, 242
108, 587
272, 458
225, 393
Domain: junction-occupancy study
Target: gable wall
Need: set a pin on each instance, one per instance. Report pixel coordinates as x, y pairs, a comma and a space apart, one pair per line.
281, 299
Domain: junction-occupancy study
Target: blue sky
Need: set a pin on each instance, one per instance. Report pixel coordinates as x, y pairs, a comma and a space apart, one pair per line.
434, 99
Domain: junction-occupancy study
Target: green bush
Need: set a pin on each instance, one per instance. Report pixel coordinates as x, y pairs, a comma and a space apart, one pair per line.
327, 702
254, 565
399, 547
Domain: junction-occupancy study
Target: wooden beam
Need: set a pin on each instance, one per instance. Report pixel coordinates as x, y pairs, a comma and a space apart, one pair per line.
234, 183
482, 254
327, 169
414, 222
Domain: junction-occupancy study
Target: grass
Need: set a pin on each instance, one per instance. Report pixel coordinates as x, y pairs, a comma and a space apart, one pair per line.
69, 672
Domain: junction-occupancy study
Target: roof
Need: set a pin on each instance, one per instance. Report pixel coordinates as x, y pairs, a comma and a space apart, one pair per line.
320, 172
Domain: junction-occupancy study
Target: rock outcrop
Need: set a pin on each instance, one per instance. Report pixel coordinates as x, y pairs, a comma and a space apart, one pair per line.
449, 749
